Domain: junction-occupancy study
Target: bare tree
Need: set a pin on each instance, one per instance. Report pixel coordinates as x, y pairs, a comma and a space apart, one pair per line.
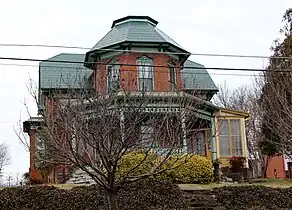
4, 156
276, 96
93, 132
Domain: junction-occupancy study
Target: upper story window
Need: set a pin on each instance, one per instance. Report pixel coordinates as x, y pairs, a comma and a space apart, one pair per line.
230, 137
172, 76
113, 76
145, 74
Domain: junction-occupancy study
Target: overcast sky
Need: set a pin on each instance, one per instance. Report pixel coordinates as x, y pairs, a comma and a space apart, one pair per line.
211, 26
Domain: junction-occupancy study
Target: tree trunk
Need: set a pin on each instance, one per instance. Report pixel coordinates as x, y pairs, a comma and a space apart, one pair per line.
113, 200
266, 165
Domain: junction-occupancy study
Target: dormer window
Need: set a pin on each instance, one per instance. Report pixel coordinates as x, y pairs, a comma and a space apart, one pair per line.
113, 76
145, 74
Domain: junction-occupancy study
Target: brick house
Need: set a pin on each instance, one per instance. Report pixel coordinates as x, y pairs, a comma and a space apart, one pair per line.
139, 56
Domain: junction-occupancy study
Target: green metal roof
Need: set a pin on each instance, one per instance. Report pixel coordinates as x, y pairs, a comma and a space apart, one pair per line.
140, 29
74, 75
54, 74
196, 77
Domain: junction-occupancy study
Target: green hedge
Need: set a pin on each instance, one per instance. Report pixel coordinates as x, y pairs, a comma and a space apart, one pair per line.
186, 169
254, 197
145, 194
191, 169
130, 160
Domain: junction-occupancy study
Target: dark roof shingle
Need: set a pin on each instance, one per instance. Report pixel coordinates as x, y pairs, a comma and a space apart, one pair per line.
196, 77
64, 75
134, 29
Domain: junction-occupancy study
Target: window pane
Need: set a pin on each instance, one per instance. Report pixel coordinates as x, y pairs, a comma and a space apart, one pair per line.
223, 127
146, 84
113, 77
140, 70
236, 137
224, 143
236, 146
147, 136
235, 127
224, 146
145, 69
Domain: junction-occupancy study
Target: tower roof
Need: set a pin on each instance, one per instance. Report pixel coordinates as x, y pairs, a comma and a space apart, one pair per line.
135, 30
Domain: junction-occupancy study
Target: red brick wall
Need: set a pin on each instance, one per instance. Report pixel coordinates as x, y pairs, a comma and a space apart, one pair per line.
129, 74
33, 173
32, 140
276, 163
100, 77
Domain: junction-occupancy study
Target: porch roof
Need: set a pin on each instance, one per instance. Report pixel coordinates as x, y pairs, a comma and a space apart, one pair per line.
225, 111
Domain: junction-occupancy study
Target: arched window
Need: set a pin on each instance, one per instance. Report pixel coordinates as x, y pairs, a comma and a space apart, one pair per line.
145, 74
113, 76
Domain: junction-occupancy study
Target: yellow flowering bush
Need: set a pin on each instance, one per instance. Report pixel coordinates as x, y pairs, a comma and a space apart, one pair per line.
185, 169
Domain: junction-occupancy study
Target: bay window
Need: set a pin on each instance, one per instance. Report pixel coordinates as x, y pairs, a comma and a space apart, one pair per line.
230, 140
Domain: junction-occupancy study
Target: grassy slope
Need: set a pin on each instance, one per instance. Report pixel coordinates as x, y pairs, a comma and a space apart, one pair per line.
265, 182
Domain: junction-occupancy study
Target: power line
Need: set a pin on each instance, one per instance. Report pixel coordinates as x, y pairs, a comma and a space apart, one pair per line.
139, 51
189, 73
125, 64
44, 46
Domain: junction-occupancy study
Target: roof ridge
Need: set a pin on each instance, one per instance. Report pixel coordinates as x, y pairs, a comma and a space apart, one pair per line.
193, 62
164, 35
93, 48
129, 17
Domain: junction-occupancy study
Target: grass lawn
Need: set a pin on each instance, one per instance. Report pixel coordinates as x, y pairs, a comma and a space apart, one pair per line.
282, 183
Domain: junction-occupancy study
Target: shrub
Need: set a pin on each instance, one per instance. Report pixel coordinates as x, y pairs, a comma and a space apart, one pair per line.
196, 169
254, 197
145, 194
237, 164
132, 159
187, 169
236, 168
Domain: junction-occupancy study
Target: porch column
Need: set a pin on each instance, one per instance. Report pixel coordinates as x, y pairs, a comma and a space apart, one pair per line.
213, 139
183, 126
